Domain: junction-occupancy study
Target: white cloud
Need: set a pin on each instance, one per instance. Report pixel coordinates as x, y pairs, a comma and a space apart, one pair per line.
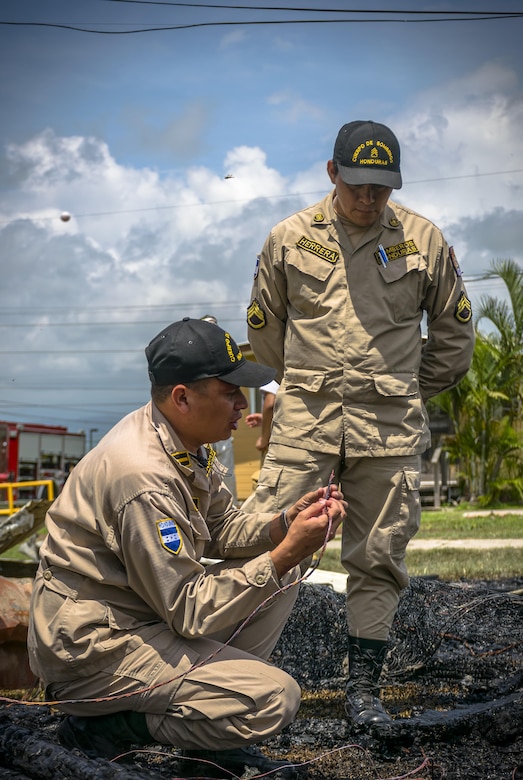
294, 108
455, 136
135, 240
233, 38
143, 249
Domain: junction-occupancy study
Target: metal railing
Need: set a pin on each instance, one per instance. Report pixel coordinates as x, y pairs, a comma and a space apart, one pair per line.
11, 487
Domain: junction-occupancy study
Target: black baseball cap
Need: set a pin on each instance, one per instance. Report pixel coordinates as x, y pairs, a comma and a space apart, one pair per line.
368, 153
197, 349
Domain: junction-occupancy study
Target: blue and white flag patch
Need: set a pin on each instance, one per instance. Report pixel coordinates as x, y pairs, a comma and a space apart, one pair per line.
169, 534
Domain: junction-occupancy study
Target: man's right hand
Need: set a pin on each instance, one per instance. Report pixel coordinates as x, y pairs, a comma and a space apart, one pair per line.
312, 521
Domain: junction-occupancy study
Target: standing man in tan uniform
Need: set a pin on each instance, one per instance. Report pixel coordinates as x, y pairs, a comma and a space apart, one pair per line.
133, 636
339, 295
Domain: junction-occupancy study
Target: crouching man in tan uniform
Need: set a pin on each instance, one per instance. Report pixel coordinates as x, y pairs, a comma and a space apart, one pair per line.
135, 638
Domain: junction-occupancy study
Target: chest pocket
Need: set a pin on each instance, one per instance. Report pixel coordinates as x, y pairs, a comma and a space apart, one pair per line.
307, 279
406, 279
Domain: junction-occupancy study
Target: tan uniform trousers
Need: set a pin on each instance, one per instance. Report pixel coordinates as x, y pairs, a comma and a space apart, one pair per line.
198, 693
383, 514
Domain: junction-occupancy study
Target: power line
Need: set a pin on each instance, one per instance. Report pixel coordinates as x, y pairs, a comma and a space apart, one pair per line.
142, 306
193, 25
92, 324
486, 276
492, 279
248, 200
301, 9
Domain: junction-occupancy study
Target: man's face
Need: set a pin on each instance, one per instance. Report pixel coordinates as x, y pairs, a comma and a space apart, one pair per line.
361, 204
216, 409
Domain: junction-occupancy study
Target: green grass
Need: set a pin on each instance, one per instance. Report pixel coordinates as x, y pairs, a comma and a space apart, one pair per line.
451, 564
451, 524
448, 564
501, 563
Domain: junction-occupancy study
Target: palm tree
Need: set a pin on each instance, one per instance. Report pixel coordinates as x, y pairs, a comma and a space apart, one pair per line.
508, 321
485, 408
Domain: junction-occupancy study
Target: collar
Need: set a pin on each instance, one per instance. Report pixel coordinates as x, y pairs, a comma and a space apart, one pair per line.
205, 457
323, 212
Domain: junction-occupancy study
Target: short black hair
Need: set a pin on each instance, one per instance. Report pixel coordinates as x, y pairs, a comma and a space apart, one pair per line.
160, 393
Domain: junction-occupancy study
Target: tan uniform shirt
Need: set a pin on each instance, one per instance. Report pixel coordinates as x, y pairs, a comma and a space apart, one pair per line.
343, 330
122, 555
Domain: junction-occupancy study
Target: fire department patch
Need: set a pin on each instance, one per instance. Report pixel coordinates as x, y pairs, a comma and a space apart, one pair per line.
398, 250
256, 316
318, 249
169, 534
463, 310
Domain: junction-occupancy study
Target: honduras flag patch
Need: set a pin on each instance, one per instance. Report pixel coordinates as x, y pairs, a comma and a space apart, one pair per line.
169, 534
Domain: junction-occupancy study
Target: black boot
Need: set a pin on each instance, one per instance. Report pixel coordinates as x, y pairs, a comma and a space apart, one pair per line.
234, 762
104, 736
362, 704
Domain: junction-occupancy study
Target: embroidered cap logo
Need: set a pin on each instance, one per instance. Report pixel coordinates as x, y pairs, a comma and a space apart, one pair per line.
372, 155
230, 351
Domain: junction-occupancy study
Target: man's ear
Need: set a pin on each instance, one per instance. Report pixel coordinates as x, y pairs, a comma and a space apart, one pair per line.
332, 170
179, 399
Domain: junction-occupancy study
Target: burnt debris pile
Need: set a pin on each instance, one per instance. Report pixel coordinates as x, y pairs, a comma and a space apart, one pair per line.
468, 636
451, 681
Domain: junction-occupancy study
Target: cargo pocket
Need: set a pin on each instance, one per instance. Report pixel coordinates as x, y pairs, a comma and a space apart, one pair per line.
405, 278
408, 522
304, 379
267, 489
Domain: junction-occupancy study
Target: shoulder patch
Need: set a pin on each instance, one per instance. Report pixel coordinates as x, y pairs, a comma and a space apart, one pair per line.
318, 249
183, 458
454, 260
169, 534
463, 310
256, 317
257, 267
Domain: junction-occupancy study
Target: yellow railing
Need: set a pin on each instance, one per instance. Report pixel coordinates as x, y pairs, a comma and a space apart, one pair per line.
10, 487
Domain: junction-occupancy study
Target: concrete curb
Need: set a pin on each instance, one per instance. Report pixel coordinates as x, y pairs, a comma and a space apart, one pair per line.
467, 544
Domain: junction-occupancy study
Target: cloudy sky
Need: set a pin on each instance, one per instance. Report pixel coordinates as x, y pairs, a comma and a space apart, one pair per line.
175, 150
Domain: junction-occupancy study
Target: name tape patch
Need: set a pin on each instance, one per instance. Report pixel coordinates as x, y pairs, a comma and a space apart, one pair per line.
403, 249
318, 249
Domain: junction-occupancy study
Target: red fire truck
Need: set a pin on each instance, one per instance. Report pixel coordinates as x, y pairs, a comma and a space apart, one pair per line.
31, 452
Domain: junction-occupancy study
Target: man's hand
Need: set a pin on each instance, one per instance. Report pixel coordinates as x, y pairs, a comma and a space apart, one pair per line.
311, 521
254, 420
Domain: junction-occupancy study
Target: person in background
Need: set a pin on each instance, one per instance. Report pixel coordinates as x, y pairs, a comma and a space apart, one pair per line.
340, 294
263, 419
130, 633
225, 449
